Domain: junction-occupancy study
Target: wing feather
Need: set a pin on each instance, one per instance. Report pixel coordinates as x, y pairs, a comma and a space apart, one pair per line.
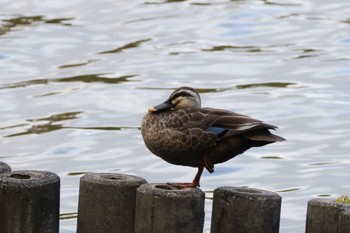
233, 122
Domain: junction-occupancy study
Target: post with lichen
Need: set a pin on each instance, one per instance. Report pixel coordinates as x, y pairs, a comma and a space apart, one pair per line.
327, 216
162, 208
245, 210
29, 202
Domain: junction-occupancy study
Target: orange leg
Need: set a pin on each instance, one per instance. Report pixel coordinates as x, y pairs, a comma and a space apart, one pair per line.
195, 182
208, 165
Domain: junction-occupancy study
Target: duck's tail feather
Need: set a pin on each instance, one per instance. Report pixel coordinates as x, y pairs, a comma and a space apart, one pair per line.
268, 138
262, 137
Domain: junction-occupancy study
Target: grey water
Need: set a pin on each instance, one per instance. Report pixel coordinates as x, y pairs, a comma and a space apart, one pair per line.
77, 76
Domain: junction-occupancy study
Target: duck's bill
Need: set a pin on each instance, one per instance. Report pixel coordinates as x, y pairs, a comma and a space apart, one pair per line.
161, 107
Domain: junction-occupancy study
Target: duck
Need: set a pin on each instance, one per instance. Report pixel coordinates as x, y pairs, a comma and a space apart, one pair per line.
181, 132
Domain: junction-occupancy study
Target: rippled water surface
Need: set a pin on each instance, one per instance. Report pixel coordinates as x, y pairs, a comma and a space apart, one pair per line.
77, 76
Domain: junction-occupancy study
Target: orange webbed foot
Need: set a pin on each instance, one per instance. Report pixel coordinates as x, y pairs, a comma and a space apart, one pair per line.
194, 184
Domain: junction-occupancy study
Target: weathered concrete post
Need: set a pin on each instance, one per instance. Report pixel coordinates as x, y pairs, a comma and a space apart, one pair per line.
160, 209
245, 210
107, 203
4, 167
29, 202
327, 216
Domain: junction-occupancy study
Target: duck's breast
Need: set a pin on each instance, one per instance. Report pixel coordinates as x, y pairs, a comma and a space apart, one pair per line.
173, 137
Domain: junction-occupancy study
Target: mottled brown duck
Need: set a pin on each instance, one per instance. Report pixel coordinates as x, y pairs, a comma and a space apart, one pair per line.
181, 132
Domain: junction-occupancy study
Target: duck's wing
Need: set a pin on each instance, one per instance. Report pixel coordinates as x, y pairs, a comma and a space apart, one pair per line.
224, 123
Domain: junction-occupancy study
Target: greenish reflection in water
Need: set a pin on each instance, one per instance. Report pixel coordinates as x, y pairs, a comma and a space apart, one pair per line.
38, 129
10, 24
89, 78
200, 90
226, 47
288, 190
279, 3
95, 79
166, 1
242, 86
131, 45
268, 84
28, 20
271, 157
77, 64
69, 215
58, 117
323, 163
324, 195
51, 125
77, 173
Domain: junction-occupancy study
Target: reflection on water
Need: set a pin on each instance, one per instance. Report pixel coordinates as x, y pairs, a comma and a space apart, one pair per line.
162, 2
79, 78
131, 45
10, 24
227, 47
58, 117
288, 190
76, 64
280, 4
269, 84
323, 163
47, 126
242, 86
96, 78
76, 78
77, 173
28, 20
271, 157
65, 216
199, 90
324, 195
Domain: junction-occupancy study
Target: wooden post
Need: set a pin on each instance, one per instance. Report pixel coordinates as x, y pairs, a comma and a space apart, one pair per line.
327, 216
107, 203
160, 209
29, 202
245, 210
4, 167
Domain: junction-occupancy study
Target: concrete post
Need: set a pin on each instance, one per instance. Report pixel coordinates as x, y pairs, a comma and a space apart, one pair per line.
160, 209
245, 210
107, 203
4, 167
29, 202
327, 216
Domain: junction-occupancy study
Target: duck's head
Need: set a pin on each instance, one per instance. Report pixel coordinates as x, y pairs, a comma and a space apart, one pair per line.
181, 98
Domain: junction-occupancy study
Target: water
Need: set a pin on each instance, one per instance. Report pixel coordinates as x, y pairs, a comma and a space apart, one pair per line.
77, 76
